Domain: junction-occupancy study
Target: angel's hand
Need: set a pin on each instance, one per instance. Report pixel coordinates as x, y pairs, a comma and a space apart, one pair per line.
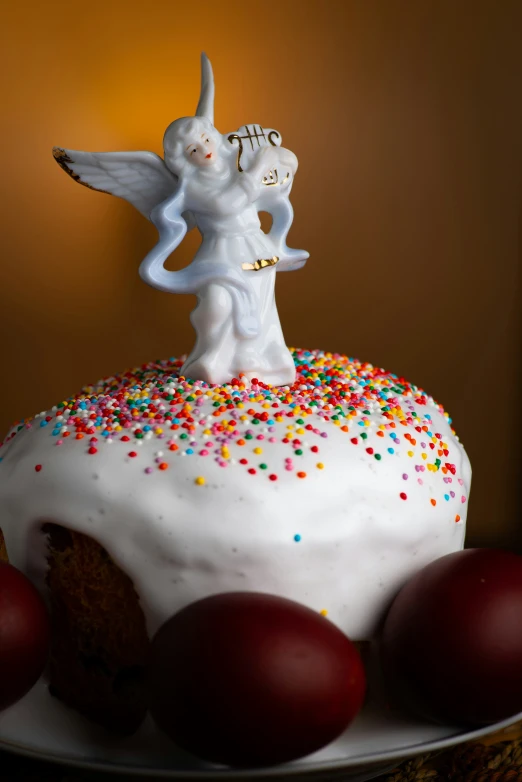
265, 159
269, 158
288, 159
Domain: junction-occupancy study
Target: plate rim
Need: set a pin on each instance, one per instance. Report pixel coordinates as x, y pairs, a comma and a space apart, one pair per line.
270, 772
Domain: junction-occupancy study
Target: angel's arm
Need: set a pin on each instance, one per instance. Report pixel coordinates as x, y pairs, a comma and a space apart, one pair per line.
172, 227
250, 182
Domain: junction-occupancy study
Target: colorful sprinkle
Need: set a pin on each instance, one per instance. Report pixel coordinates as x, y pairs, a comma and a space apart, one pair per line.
333, 394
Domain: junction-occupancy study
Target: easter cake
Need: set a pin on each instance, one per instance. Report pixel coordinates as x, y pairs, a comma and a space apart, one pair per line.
149, 491
246, 467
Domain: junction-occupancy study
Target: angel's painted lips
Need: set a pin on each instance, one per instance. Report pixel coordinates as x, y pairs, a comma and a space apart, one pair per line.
209, 154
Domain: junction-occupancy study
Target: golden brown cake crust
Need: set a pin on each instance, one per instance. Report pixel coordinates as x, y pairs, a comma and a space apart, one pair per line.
99, 638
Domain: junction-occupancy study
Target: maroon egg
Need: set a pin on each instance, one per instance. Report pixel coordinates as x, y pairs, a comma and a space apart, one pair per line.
249, 679
24, 635
451, 647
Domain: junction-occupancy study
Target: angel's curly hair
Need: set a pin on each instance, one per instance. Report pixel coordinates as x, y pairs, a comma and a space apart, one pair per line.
178, 136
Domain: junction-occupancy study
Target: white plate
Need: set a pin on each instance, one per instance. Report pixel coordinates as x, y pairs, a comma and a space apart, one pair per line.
40, 727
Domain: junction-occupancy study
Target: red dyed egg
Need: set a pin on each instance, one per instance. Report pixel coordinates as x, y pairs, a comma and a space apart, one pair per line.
24, 635
452, 641
249, 679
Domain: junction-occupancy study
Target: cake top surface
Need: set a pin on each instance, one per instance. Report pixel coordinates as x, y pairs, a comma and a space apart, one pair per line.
376, 411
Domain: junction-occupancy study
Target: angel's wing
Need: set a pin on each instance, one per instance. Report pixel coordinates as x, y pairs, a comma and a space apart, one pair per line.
141, 178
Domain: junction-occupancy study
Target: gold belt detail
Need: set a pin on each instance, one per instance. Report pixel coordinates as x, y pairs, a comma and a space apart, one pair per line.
261, 264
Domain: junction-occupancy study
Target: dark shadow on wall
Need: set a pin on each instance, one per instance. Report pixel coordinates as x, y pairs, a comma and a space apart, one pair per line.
517, 476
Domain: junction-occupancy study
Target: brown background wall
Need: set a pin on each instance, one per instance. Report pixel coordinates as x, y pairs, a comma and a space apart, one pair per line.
407, 121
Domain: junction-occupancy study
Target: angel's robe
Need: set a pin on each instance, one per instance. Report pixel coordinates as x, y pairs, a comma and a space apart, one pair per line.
233, 275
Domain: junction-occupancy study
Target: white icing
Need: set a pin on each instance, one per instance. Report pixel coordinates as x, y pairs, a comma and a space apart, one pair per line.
179, 541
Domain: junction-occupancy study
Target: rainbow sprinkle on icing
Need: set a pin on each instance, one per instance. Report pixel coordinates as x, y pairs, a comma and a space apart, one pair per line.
331, 390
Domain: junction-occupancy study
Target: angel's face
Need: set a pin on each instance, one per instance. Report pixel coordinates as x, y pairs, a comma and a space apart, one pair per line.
202, 151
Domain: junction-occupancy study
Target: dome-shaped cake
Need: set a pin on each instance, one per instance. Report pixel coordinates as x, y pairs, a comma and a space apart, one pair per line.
332, 492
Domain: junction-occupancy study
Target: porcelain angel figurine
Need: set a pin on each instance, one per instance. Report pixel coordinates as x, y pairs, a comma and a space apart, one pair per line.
218, 183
